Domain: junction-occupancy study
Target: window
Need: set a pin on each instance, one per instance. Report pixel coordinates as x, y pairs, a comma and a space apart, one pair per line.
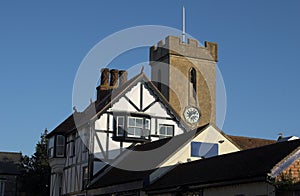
2, 187
192, 86
135, 127
60, 146
120, 126
85, 177
193, 79
51, 147
147, 127
166, 131
56, 146
147, 123
204, 150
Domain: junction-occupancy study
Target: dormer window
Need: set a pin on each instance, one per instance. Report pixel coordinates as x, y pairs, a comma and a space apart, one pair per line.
132, 127
56, 146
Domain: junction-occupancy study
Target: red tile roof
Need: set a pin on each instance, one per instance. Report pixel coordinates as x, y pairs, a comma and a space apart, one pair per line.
249, 142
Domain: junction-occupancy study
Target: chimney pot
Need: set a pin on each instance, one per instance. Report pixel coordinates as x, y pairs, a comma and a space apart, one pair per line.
122, 77
104, 77
114, 76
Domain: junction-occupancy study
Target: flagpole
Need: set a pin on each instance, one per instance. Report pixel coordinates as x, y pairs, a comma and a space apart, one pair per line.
183, 23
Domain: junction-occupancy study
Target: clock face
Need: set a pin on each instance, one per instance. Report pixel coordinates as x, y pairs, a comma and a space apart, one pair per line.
191, 115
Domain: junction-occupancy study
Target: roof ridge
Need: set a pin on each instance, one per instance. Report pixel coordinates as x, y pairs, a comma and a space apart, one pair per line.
250, 137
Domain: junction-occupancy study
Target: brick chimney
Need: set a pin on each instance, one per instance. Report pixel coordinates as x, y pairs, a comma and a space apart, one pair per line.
122, 77
114, 77
103, 89
104, 77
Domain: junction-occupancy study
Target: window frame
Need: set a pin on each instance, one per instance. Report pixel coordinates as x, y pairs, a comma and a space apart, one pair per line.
161, 136
122, 126
50, 150
145, 128
60, 145
52, 147
135, 127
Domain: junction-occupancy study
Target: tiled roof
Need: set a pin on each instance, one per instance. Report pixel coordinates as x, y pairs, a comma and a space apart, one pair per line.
246, 164
249, 142
62, 128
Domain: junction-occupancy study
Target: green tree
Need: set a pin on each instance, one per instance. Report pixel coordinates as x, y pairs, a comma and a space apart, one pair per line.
35, 178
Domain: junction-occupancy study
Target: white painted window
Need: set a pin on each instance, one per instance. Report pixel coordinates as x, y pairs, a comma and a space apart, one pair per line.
60, 146
147, 128
2, 187
51, 147
147, 124
132, 127
135, 127
166, 131
120, 126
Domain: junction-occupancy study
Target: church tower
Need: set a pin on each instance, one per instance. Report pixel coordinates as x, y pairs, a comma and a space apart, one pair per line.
185, 73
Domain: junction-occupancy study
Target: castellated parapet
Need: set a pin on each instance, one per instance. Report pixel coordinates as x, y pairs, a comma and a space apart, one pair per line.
174, 45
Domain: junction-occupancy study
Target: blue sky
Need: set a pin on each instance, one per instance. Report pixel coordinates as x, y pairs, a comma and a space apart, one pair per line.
43, 43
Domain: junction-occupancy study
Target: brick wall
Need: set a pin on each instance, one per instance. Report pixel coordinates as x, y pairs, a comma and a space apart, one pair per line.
293, 171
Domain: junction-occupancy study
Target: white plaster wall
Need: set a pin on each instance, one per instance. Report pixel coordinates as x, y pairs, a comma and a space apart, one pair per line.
147, 97
100, 124
123, 105
103, 141
212, 135
158, 110
134, 94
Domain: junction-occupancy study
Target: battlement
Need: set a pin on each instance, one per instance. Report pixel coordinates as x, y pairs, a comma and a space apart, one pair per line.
174, 45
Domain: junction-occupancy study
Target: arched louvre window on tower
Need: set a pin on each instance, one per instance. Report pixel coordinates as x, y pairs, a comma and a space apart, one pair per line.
192, 87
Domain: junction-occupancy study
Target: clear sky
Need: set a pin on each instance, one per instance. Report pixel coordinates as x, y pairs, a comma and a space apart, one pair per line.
43, 43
